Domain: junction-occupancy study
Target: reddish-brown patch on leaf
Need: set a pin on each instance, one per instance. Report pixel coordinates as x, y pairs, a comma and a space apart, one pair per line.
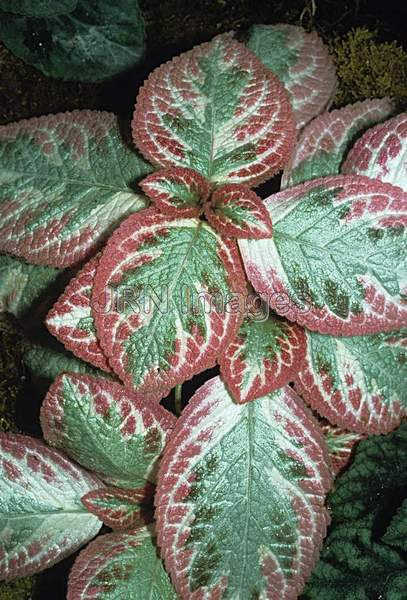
120, 509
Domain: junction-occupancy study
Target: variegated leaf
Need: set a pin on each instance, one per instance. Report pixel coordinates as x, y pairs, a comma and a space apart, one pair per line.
177, 191
217, 110
106, 428
336, 262
324, 143
265, 355
382, 153
66, 181
120, 565
358, 383
240, 498
236, 211
119, 509
301, 61
42, 519
164, 299
71, 321
22, 286
340, 444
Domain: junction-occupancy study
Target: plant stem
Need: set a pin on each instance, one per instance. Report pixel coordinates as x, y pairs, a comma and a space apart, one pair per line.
178, 399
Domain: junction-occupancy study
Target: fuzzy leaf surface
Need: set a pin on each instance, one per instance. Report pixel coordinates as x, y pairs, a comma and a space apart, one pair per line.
42, 519
120, 565
265, 355
236, 211
22, 286
106, 428
117, 508
38, 8
356, 563
358, 382
240, 498
66, 181
71, 321
171, 285
217, 110
340, 443
325, 141
396, 533
303, 64
336, 262
95, 41
381, 153
176, 191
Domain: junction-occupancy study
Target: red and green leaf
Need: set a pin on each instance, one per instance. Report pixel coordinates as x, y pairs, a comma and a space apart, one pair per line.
336, 261
171, 285
71, 321
120, 565
340, 444
66, 182
177, 191
265, 355
302, 63
106, 428
324, 143
381, 153
41, 514
358, 383
215, 109
236, 211
240, 498
120, 509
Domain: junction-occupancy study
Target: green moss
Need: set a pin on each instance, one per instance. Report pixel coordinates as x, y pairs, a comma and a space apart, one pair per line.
20, 589
367, 68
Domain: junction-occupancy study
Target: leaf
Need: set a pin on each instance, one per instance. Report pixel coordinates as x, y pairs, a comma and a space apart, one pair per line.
240, 498
38, 8
164, 300
118, 509
302, 63
106, 428
42, 519
323, 144
396, 533
236, 211
217, 110
176, 191
265, 355
71, 321
381, 153
22, 286
355, 563
336, 261
341, 444
94, 42
120, 565
358, 383
66, 182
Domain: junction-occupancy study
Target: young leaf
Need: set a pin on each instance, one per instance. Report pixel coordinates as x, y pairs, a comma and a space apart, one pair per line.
41, 514
236, 211
71, 321
66, 182
355, 562
164, 300
358, 383
38, 8
340, 444
324, 143
95, 41
120, 565
106, 428
217, 110
336, 260
382, 153
118, 509
240, 499
265, 355
22, 286
303, 64
176, 191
